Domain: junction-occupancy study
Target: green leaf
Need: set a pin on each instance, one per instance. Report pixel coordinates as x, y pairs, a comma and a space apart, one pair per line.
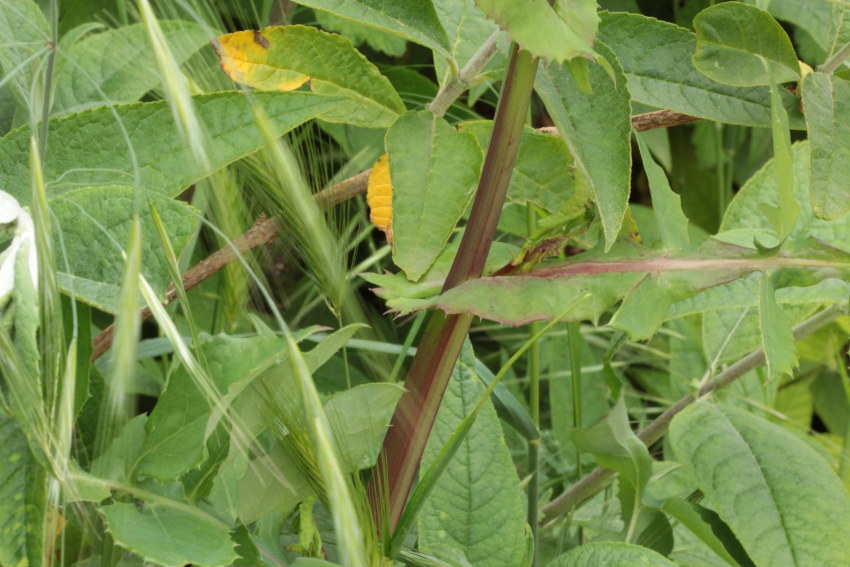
415, 20
166, 163
283, 58
119, 65
557, 34
672, 223
610, 554
92, 219
615, 446
168, 537
434, 171
358, 34
475, 506
117, 461
359, 417
814, 17
784, 217
778, 340
783, 502
23, 498
22, 22
467, 28
708, 527
272, 484
597, 129
826, 100
199, 483
656, 58
839, 30
543, 171
224, 496
733, 37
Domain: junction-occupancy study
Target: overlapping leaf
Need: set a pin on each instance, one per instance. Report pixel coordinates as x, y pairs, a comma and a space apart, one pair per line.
467, 28
23, 31
611, 555
283, 58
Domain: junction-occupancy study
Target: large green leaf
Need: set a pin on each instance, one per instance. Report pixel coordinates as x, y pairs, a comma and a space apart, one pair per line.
475, 506
708, 527
779, 497
283, 58
119, 65
168, 537
23, 498
23, 32
556, 33
839, 30
610, 554
415, 20
434, 171
90, 149
543, 171
358, 34
656, 58
731, 39
92, 219
272, 484
826, 99
467, 28
814, 17
597, 129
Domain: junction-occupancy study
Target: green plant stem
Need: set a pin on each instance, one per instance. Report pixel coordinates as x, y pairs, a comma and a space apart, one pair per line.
575, 340
345, 360
599, 477
444, 335
121, 6
408, 341
534, 390
834, 62
722, 197
48, 80
454, 88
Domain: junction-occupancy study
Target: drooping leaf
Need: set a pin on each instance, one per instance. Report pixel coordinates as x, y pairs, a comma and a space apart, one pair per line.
781, 499
826, 100
118, 65
283, 58
558, 33
90, 149
784, 217
778, 340
272, 483
467, 28
597, 129
415, 20
708, 527
434, 171
672, 223
23, 498
610, 554
475, 505
656, 58
732, 38
615, 446
543, 171
23, 32
169, 537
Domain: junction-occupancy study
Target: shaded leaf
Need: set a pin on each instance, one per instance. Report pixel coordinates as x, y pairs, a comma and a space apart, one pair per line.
434, 171
731, 40
777, 338
358, 34
272, 483
23, 32
672, 223
283, 58
786, 506
707, 526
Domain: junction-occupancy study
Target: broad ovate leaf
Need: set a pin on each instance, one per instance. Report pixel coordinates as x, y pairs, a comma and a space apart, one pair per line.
780, 498
169, 537
475, 505
90, 148
597, 129
733, 37
273, 483
285, 57
826, 99
656, 58
434, 170
611, 554
415, 20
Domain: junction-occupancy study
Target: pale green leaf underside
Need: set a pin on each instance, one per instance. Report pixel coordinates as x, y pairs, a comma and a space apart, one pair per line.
119, 65
610, 554
415, 20
597, 129
475, 506
656, 58
826, 99
780, 498
434, 171
90, 149
730, 39
93, 220
168, 537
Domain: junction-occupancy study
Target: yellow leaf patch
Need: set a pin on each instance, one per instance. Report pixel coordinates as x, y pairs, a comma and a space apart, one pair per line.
244, 57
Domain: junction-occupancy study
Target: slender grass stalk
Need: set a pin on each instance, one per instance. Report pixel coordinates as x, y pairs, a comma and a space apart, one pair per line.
444, 335
408, 341
48, 78
121, 7
575, 341
534, 390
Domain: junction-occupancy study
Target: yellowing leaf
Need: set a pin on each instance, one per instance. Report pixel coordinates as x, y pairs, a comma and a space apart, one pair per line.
238, 53
379, 197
